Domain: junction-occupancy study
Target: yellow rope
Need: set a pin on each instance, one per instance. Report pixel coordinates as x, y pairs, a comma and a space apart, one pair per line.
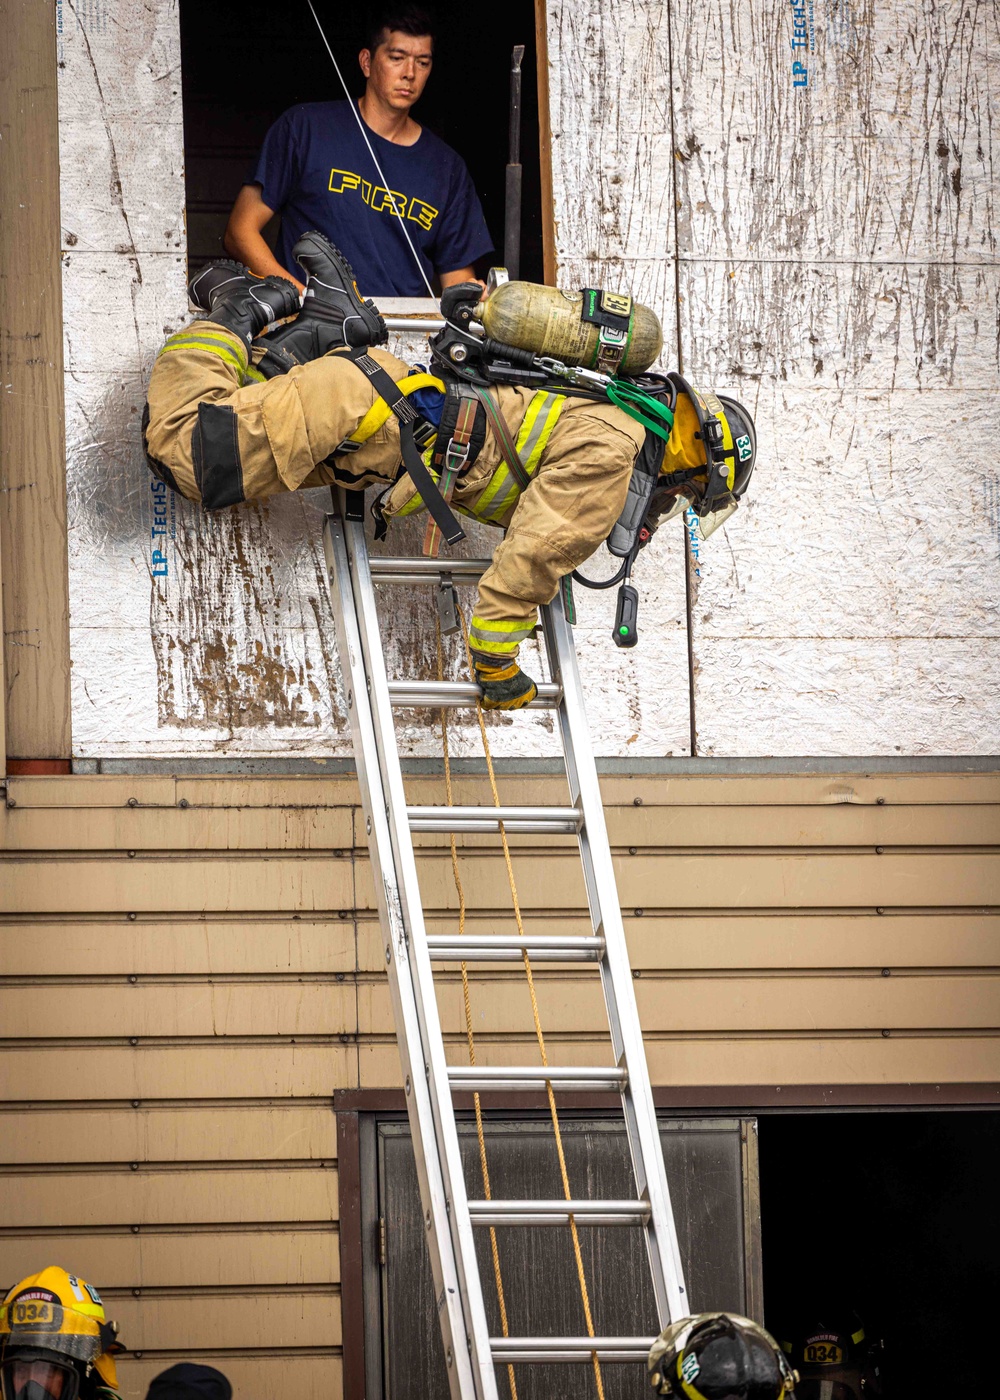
539, 1034
470, 1036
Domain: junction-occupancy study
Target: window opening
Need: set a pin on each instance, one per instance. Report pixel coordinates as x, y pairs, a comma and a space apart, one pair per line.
892, 1214
238, 77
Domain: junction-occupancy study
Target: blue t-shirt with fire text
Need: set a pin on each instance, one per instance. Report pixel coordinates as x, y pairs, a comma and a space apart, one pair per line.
316, 171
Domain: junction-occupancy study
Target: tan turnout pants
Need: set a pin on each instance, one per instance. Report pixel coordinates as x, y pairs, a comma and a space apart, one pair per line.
218, 436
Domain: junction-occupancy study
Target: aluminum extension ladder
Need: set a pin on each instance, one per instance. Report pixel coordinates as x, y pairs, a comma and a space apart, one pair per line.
470, 1352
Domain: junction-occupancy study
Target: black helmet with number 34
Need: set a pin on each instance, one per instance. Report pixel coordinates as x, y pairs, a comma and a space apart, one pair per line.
719, 1356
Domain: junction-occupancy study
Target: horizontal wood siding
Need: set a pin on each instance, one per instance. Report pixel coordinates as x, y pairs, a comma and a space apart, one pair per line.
192, 966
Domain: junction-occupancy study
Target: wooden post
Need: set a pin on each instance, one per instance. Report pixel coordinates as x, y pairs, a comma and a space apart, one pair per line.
545, 145
32, 437
3, 687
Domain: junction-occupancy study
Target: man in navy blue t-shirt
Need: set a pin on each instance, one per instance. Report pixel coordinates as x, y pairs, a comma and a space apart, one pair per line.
317, 172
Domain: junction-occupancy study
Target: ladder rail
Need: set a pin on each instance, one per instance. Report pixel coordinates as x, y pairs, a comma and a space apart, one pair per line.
641, 1126
451, 1221
442, 1185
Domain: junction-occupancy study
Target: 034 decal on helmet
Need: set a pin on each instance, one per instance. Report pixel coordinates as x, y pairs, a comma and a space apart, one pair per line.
55, 1340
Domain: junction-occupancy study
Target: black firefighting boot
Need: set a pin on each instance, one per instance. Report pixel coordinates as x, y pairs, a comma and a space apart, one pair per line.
504, 687
334, 313
243, 303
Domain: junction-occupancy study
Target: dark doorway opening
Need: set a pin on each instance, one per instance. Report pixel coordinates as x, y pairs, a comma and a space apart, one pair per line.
712, 1168
241, 70
894, 1215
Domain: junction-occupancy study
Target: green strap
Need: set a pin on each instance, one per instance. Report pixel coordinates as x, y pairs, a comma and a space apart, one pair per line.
643, 407
505, 442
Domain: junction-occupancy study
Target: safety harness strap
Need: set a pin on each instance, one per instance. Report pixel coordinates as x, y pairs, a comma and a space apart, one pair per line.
453, 455
380, 410
508, 450
385, 386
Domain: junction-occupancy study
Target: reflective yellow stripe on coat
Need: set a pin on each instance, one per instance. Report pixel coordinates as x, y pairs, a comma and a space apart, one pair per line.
532, 439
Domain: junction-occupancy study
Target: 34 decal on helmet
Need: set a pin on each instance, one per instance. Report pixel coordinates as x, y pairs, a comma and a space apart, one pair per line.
719, 1356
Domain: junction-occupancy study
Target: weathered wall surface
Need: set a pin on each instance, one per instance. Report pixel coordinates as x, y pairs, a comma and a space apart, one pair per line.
191, 634
832, 230
187, 981
821, 241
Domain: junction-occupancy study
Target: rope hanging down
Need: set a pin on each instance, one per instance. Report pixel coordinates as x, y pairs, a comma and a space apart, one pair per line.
400, 214
539, 1033
469, 1033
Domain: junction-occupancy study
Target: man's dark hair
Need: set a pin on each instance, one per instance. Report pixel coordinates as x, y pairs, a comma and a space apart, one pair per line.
407, 19
186, 1381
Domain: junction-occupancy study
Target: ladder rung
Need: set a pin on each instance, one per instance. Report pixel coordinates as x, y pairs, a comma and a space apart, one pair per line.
453, 695
387, 570
497, 1077
550, 821
509, 948
506, 1349
558, 1212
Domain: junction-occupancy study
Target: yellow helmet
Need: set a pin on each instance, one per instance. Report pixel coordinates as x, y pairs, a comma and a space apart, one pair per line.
709, 458
55, 1339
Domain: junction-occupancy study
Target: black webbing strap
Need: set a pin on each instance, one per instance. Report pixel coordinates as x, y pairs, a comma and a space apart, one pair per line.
505, 442
452, 456
386, 388
456, 394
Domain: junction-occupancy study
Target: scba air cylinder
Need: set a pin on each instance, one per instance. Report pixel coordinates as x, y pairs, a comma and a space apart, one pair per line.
596, 329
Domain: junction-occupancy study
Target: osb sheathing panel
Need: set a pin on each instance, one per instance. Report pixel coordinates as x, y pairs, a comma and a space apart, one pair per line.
820, 241
831, 238
166, 1078
849, 263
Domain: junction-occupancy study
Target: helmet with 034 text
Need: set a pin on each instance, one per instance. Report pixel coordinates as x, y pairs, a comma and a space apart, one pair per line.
835, 1358
719, 1356
55, 1341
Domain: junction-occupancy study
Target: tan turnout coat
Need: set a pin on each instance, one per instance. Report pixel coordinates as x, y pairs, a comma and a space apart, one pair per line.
223, 435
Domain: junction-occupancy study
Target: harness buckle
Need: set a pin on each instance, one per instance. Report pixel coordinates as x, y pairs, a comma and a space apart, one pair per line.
424, 433
348, 445
456, 455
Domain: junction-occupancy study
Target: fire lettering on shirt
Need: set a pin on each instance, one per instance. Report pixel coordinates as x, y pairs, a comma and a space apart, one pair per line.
383, 201
421, 213
341, 180
380, 198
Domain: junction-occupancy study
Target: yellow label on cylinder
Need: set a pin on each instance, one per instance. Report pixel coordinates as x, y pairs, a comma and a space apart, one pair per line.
616, 303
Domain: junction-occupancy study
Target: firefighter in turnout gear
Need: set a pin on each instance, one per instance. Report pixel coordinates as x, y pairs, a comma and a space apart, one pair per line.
55, 1341
719, 1356
236, 414
834, 1358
